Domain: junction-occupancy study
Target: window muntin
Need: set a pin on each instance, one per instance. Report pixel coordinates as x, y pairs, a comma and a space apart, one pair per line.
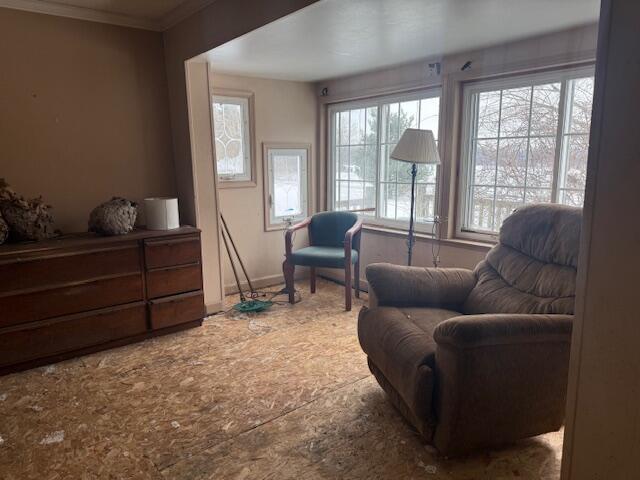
287, 183
525, 141
231, 127
364, 178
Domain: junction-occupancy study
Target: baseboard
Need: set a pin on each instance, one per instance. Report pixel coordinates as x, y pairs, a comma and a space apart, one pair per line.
262, 282
213, 308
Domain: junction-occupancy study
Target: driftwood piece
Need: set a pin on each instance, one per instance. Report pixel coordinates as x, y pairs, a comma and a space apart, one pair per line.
26, 219
115, 217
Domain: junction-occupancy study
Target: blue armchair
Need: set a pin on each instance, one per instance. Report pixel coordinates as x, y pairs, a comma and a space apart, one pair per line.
334, 242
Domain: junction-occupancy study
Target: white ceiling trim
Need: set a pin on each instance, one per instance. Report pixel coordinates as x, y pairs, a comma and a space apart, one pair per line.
175, 16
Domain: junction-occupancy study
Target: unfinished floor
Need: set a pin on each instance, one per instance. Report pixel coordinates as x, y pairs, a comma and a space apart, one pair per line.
279, 395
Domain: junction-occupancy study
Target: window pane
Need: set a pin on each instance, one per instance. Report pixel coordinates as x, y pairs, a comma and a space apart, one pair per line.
227, 124
542, 152
356, 195
426, 173
425, 202
575, 161
512, 162
370, 162
404, 171
581, 103
482, 208
430, 115
343, 128
287, 183
488, 114
514, 117
356, 163
357, 127
486, 154
388, 200
572, 197
342, 195
537, 195
546, 105
389, 167
370, 197
409, 115
343, 163
507, 200
403, 201
371, 137
391, 123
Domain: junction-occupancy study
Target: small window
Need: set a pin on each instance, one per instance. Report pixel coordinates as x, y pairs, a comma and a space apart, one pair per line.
233, 127
286, 184
525, 141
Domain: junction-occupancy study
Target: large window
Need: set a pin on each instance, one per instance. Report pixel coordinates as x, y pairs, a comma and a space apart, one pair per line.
363, 177
525, 140
232, 131
286, 184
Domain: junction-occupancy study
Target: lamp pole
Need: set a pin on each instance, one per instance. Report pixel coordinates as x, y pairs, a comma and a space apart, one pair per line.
414, 172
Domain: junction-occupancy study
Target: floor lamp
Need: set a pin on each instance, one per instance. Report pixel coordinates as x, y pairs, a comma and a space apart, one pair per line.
415, 146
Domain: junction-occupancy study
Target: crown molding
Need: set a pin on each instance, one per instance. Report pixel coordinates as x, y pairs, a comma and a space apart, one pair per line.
181, 12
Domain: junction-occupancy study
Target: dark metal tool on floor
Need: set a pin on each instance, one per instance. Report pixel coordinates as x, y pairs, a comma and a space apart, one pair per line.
246, 305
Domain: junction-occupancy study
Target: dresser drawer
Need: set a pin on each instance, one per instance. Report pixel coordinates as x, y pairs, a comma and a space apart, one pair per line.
169, 311
163, 282
66, 267
35, 305
172, 251
52, 337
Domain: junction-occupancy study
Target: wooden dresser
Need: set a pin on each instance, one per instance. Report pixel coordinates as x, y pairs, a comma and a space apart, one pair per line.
82, 293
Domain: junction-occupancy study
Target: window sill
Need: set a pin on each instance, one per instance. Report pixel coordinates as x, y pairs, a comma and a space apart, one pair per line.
455, 242
236, 184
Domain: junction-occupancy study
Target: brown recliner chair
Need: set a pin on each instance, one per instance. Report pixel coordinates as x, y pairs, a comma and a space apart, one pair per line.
480, 358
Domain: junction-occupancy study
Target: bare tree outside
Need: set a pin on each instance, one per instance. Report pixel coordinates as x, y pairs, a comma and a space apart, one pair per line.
514, 151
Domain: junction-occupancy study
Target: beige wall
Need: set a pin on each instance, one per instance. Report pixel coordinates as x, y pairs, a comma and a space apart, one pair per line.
214, 25
602, 439
285, 112
84, 113
573, 46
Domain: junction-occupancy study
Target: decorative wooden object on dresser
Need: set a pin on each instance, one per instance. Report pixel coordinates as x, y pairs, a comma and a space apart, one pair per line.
83, 293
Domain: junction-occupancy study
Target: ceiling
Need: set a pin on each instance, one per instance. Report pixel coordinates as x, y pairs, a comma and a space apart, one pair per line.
147, 14
333, 38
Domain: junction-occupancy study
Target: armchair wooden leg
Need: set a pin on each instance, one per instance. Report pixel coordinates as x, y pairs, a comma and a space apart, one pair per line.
347, 286
356, 274
288, 269
312, 279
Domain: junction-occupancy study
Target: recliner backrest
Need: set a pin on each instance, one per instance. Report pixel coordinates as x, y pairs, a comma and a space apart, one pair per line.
327, 229
533, 267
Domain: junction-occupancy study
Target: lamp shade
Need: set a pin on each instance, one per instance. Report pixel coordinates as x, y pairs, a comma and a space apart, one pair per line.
416, 146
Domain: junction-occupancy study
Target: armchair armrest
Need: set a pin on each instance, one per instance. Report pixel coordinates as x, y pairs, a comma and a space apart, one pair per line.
501, 377
288, 236
469, 331
400, 286
352, 233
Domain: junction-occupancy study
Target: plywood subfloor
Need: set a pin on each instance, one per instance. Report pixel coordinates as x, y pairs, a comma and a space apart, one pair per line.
278, 395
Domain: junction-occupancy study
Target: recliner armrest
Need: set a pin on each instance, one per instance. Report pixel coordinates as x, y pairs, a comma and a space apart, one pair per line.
400, 286
500, 377
468, 331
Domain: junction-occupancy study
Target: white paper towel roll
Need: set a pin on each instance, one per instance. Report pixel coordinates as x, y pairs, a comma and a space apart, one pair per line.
162, 213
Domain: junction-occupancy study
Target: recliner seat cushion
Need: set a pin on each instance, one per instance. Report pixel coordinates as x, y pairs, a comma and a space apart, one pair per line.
399, 341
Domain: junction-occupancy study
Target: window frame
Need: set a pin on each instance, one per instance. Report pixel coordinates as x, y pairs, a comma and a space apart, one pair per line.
434, 91
270, 222
246, 100
474, 87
